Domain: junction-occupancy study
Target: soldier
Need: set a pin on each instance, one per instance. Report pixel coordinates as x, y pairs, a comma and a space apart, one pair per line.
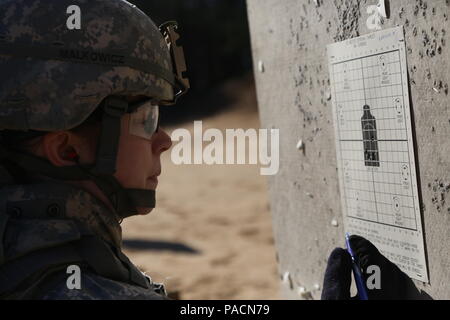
80, 145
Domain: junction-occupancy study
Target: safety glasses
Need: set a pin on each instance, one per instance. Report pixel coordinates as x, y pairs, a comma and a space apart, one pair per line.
144, 120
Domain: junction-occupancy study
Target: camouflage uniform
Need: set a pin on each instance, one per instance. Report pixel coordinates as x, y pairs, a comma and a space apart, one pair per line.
54, 78
50, 217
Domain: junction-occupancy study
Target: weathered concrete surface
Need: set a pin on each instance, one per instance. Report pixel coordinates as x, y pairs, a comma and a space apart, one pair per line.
289, 39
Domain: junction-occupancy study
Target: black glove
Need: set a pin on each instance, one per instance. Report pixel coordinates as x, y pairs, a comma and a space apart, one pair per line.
337, 281
394, 283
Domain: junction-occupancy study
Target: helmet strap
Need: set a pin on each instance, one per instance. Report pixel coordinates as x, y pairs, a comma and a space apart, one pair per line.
113, 110
124, 201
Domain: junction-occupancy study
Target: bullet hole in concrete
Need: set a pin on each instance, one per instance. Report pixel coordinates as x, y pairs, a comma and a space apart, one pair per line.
423, 5
425, 38
348, 19
291, 284
438, 84
328, 27
440, 190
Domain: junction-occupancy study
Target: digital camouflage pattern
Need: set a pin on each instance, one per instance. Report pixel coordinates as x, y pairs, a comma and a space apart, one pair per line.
47, 225
50, 95
99, 288
34, 224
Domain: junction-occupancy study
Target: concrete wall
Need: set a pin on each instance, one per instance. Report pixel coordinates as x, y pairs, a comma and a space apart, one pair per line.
289, 39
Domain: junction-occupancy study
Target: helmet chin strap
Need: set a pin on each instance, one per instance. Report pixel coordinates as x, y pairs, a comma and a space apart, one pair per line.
124, 201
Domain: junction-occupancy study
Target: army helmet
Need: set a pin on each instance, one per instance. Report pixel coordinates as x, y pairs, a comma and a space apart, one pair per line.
56, 73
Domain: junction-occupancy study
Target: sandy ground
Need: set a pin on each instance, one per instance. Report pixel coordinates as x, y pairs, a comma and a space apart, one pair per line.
210, 236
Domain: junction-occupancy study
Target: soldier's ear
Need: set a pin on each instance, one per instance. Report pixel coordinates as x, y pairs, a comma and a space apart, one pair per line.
59, 149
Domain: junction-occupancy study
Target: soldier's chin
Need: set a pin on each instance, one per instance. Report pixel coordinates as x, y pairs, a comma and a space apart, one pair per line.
143, 211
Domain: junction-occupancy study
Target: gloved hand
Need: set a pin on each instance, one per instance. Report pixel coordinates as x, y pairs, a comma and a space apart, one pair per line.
336, 286
337, 280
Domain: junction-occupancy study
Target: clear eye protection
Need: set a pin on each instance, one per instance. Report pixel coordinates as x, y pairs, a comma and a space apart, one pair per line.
144, 121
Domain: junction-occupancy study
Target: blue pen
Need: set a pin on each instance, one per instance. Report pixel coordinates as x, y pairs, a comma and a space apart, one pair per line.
362, 292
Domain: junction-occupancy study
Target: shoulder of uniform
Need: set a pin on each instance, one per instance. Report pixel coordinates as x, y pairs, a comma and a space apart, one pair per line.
60, 286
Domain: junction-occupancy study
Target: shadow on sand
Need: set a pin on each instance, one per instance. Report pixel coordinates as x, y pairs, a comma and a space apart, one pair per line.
155, 245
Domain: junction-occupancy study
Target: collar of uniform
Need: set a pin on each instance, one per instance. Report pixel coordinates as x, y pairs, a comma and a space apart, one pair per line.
55, 200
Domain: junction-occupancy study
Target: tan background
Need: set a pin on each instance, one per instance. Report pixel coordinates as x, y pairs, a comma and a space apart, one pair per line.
220, 211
